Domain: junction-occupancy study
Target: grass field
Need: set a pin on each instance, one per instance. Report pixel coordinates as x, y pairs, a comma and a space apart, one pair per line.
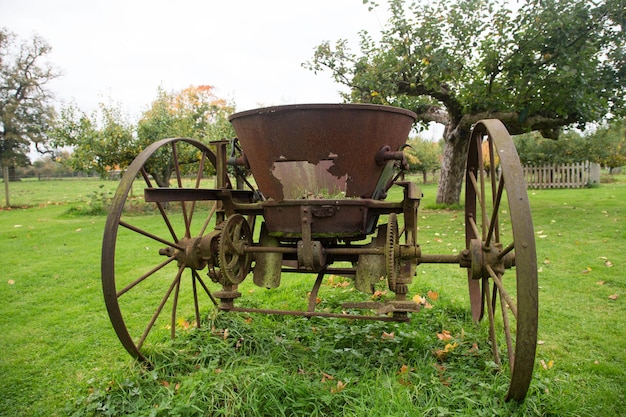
61, 357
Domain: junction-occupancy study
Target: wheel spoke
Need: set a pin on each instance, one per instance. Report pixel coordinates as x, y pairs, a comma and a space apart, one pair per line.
160, 207
494, 215
481, 181
159, 309
196, 305
503, 293
150, 235
474, 227
206, 289
197, 185
174, 307
208, 219
144, 276
179, 181
492, 326
506, 250
476, 189
507, 333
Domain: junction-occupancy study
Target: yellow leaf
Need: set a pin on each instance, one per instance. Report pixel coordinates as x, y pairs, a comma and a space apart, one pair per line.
451, 346
419, 299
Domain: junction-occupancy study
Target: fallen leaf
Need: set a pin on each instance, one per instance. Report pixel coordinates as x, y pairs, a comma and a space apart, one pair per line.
547, 365
226, 332
540, 342
17, 225
378, 294
327, 377
11, 282
451, 346
419, 299
542, 236
613, 296
339, 388
546, 261
444, 335
601, 282
586, 270
388, 336
608, 264
433, 295
79, 229
404, 369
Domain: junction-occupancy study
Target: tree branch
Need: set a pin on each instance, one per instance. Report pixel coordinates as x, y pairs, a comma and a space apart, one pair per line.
548, 126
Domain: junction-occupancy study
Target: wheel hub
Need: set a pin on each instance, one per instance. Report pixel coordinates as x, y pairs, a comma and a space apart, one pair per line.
483, 255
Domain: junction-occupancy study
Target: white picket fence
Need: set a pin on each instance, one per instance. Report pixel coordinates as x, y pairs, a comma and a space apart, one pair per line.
577, 175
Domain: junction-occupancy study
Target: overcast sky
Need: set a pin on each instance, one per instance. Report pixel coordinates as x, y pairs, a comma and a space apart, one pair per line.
250, 51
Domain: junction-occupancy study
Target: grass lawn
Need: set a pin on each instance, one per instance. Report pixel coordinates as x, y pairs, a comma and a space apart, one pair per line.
61, 357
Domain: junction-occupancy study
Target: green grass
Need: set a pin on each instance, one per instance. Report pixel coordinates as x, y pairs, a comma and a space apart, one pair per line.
61, 357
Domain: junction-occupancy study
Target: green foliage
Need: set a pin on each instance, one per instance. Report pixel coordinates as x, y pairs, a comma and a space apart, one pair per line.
571, 147
194, 112
546, 65
423, 156
102, 141
26, 111
557, 60
107, 140
605, 146
610, 142
97, 204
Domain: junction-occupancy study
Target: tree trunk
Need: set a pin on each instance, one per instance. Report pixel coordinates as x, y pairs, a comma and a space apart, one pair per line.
452, 169
5, 172
13, 174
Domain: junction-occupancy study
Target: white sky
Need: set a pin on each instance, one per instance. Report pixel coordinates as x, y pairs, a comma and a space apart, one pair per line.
250, 51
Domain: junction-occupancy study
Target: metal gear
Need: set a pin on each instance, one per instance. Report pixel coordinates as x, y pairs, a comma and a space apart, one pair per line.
233, 261
392, 267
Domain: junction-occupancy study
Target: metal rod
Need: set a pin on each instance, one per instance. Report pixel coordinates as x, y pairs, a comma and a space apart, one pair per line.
337, 271
439, 259
317, 314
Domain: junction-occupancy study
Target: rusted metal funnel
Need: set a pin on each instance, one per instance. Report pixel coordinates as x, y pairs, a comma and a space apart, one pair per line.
320, 150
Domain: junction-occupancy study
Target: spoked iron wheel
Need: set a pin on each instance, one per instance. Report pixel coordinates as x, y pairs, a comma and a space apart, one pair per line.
499, 235
152, 271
